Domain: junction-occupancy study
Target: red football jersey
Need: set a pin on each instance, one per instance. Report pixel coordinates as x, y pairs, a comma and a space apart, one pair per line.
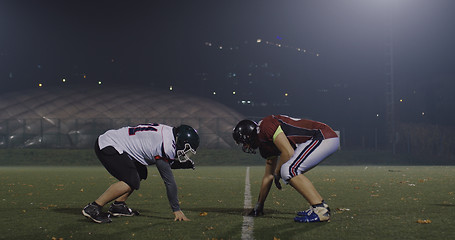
296, 130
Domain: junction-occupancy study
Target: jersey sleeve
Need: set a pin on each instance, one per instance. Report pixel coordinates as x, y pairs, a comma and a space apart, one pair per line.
267, 128
168, 147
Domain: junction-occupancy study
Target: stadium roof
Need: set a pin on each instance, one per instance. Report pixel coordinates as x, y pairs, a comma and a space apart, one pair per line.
38, 116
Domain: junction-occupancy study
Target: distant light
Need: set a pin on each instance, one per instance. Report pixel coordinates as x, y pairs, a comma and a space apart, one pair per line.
40, 85
246, 102
220, 47
423, 113
401, 100
99, 83
279, 45
170, 88
85, 76
214, 93
286, 94
349, 99
377, 115
64, 80
233, 93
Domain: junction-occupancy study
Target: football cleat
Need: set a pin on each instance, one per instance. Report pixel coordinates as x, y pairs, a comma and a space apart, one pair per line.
314, 214
93, 212
121, 209
256, 213
303, 213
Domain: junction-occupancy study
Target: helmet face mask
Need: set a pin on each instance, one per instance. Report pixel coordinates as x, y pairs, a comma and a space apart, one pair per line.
186, 153
247, 148
245, 133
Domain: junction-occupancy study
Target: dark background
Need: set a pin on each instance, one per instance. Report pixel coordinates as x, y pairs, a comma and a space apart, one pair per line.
325, 60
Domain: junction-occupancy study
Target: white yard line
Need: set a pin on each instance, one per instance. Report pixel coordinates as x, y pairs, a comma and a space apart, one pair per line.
248, 222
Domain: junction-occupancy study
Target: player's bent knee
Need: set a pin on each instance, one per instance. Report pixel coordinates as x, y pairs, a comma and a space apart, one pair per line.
134, 183
285, 175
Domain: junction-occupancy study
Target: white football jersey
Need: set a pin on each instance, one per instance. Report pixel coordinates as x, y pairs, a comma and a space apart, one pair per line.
145, 142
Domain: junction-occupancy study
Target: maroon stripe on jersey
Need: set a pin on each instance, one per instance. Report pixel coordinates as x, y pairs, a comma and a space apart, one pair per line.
303, 155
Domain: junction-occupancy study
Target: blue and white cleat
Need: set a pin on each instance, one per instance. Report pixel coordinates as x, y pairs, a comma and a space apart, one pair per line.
314, 214
303, 213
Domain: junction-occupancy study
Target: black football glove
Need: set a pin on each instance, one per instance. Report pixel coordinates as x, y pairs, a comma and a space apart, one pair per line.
258, 210
276, 179
182, 165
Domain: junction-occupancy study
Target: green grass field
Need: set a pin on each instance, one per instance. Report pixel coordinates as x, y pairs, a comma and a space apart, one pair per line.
375, 202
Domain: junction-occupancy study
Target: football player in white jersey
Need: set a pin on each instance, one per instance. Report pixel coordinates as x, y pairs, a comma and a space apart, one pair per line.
126, 153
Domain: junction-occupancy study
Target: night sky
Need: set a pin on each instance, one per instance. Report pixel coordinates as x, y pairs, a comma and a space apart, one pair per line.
175, 45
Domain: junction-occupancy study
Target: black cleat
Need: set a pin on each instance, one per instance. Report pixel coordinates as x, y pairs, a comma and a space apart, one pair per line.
93, 212
121, 209
255, 213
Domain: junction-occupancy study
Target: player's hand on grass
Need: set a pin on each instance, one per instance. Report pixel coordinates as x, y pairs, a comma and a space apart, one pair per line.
258, 210
277, 178
179, 216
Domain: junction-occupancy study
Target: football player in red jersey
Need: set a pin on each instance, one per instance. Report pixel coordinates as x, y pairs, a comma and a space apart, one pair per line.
291, 147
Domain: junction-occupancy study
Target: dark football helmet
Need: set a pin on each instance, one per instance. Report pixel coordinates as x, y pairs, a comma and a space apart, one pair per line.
245, 133
186, 142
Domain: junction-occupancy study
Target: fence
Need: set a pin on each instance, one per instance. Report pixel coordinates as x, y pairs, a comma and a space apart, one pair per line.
81, 133
214, 133
409, 138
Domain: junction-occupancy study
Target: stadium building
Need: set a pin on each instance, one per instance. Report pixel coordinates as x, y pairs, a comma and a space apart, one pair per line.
74, 118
